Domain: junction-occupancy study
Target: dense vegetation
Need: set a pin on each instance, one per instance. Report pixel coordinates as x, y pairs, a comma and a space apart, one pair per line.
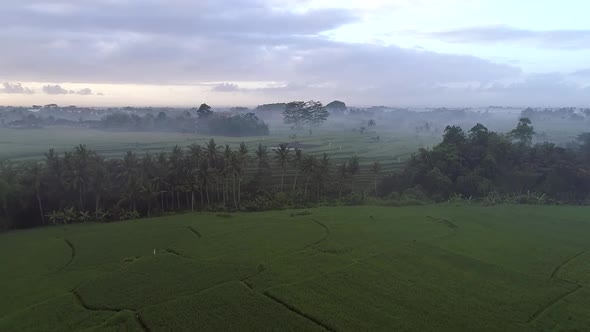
247, 124
84, 185
497, 167
444, 267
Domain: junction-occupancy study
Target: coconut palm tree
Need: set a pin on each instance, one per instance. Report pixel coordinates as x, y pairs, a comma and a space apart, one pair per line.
99, 180
296, 163
160, 176
150, 191
36, 178
176, 169
342, 173
213, 156
225, 170
236, 170
262, 157
322, 172
243, 159
282, 159
308, 166
376, 169
353, 169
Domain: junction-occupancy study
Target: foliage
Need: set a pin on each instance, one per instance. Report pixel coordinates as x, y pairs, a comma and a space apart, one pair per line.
299, 114
486, 165
247, 124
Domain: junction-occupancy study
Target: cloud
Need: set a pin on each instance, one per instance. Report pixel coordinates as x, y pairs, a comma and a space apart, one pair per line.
100, 94
16, 88
55, 90
59, 90
180, 42
85, 92
557, 39
226, 87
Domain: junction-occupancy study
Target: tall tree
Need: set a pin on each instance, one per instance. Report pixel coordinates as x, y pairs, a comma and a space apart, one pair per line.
204, 111
353, 169
244, 158
308, 166
296, 162
376, 169
282, 159
299, 114
524, 132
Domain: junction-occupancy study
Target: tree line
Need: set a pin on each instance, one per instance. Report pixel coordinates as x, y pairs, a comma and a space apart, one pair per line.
83, 185
204, 121
482, 164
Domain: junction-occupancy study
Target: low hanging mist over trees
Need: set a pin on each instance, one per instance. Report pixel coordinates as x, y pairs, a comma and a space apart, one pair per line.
83, 185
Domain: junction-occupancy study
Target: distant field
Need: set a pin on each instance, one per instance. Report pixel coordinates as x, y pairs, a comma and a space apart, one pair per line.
390, 151
432, 268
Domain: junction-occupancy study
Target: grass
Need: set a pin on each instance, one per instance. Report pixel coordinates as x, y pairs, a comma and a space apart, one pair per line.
428, 268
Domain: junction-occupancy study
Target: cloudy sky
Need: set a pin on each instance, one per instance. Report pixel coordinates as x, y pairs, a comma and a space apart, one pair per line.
248, 52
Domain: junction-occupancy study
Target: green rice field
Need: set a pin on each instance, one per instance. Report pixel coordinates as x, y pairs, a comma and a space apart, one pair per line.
427, 268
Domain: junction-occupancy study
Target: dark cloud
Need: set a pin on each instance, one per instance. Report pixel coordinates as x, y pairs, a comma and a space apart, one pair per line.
55, 90
560, 39
15, 88
84, 92
226, 87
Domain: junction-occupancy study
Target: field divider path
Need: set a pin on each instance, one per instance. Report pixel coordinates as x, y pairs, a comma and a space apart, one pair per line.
564, 263
72, 255
83, 304
194, 231
289, 254
554, 276
553, 302
444, 221
324, 238
299, 312
141, 323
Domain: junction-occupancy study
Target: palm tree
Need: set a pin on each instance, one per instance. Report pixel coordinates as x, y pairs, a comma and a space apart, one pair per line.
161, 171
213, 155
296, 161
371, 123
236, 170
262, 157
131, 178
225, 170
176, 166
99, 180
353, 169
244, 159
77, 164
204, 175
36, 176
83, 216
55, 175
308, 167
342, 173
150, 191
55, 216
282, 158
376, 169
322, 172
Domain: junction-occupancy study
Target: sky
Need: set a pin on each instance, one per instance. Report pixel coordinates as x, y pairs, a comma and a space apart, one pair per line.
404, 53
